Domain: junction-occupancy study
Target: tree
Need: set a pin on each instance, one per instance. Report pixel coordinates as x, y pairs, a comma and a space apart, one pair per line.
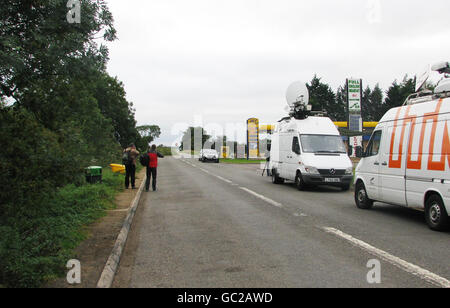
398, 93
111, 97
63, 113
322, 97
341, 100
147, 133
194, 138
38, 43
375, 104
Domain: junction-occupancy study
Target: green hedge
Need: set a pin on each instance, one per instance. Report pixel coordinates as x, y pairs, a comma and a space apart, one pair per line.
166, 151
35, 245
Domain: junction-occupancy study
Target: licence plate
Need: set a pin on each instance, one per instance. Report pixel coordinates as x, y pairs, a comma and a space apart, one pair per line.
332, 180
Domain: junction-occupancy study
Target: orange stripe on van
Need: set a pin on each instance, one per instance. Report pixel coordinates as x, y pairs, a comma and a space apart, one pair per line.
445, 152
410, 164
398, 162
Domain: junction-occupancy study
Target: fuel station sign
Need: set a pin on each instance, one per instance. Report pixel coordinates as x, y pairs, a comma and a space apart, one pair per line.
252, 138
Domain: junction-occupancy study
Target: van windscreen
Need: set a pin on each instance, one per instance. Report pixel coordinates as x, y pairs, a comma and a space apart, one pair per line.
322, 144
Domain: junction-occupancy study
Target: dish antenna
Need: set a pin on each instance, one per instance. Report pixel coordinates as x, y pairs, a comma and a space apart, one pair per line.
297, 97
422, 78
441, 68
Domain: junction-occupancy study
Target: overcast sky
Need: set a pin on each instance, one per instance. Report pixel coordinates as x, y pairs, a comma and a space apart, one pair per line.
224, 61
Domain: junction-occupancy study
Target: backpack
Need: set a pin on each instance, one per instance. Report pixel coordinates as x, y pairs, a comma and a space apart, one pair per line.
144, 159
126, 158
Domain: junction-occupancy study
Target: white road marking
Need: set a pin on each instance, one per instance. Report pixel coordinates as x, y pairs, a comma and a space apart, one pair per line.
223, 179
268, 200
274, 203
402, 264
208, 172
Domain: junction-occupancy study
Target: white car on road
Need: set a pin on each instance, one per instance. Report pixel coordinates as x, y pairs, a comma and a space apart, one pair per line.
208, 155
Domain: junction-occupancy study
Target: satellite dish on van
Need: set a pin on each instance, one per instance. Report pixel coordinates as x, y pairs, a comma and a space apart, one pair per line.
297, 95
422, 78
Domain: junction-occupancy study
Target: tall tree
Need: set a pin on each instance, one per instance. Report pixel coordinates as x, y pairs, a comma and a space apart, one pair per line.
148, 133
376, 104
341, 100
366, 108
397, 93
38, 43
111, 97
323, 98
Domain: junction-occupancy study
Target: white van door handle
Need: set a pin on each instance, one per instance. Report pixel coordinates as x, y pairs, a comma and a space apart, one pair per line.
376, 163
384, 164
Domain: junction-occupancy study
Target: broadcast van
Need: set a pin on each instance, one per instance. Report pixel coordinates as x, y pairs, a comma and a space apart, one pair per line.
407, 160
308, 149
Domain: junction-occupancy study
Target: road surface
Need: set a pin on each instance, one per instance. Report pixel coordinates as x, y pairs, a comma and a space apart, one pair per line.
219, 225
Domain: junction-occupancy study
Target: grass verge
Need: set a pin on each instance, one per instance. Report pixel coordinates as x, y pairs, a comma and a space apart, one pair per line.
35, 245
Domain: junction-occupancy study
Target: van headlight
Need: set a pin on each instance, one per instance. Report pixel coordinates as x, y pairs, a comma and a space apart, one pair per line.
349, 171
311, 170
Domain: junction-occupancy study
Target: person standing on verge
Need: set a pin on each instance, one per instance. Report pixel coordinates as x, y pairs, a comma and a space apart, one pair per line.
129, 160
152, 167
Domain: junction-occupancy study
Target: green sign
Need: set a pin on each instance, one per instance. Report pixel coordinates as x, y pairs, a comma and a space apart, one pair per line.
354, 95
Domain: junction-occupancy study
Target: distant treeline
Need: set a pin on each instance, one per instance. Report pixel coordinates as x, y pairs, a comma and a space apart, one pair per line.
375, 102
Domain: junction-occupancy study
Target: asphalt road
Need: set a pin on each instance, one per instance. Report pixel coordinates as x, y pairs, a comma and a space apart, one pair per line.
219, 225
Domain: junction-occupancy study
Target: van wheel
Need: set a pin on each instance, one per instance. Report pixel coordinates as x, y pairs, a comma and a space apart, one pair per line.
435, 214
299, 182
276, 179
361, 198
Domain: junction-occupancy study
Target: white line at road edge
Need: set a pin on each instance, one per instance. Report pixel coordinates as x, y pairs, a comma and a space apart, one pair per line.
274, 203
406, 266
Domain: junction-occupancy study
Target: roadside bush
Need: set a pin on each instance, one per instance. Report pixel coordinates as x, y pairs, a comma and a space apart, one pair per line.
32, 162
35, 246
166, 151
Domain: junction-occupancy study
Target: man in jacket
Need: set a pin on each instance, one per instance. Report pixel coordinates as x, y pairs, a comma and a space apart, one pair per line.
152, 167
130, 166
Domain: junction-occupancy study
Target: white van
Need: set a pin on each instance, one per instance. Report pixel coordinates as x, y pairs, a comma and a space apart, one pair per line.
309, 152
407, 161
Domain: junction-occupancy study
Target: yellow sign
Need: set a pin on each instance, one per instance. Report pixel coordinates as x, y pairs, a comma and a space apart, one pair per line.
253, 138
225, 152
